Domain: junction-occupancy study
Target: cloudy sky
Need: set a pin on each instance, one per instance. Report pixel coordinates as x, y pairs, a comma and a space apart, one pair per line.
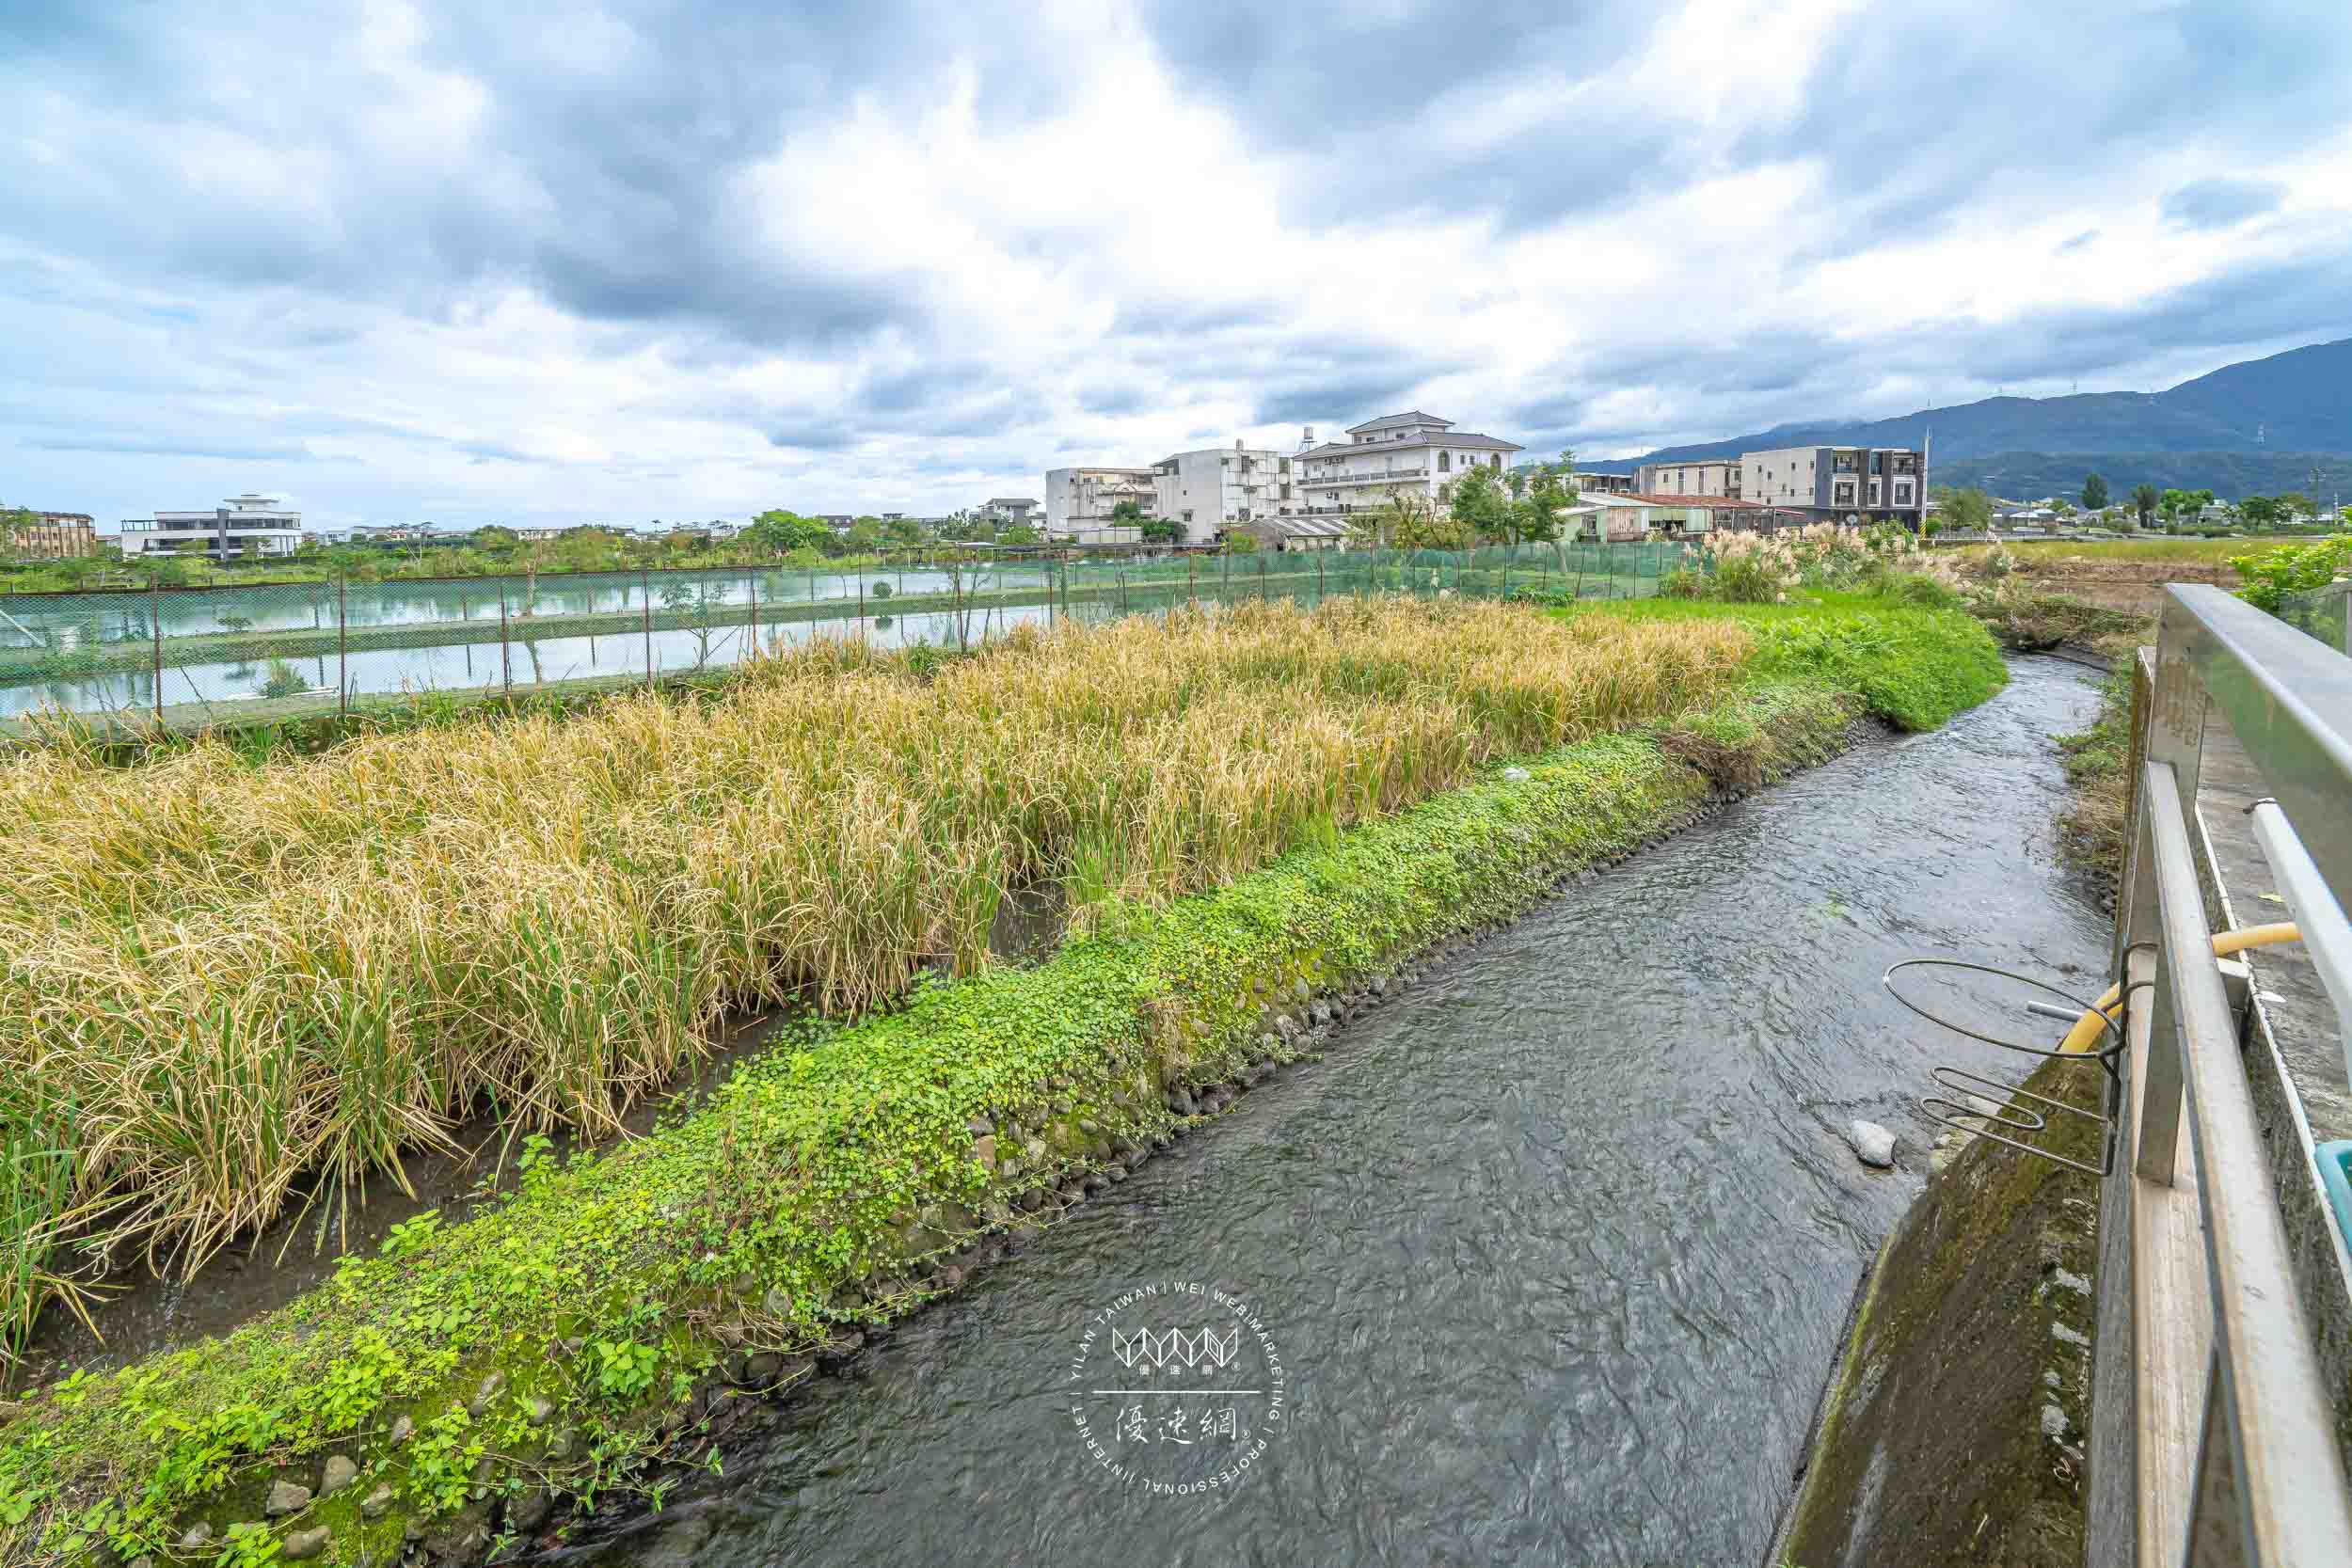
526, 262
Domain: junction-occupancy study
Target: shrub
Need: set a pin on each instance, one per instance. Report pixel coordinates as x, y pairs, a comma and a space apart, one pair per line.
2284, 569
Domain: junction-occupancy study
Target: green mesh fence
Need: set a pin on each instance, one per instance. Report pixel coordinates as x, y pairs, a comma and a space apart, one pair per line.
196, 658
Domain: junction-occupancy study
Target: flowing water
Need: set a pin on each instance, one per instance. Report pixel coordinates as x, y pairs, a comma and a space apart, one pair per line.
1556, 1250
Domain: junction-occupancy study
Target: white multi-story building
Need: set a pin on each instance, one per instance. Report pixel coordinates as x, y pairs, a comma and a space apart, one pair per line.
241, 526
1409, 453
1210, 490
1079, 503
1007, 511
1834, 483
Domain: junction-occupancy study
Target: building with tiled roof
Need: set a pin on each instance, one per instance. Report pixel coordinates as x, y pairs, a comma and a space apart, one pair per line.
1408, 454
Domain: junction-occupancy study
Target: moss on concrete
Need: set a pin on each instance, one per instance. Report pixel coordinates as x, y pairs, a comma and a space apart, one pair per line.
1953, 1433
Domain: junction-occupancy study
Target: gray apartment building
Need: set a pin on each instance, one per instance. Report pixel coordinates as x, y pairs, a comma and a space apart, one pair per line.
1833, 484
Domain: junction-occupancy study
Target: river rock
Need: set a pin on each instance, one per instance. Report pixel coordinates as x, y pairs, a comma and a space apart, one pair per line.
984, 1151
286, 1497
491, 1387
462, 1537
1516, 775
304, 1544
528, 1510
341, 1472
376, 1503
199, 1536
979, 1127
1873, 1143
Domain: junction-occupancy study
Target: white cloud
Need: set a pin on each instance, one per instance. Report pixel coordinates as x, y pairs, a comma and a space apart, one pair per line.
676, 263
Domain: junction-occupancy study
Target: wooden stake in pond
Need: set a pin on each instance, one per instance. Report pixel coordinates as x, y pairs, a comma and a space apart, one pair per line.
1190, 593
645, 586
343, 648
861, 609
506, 662
155, 631
750, 575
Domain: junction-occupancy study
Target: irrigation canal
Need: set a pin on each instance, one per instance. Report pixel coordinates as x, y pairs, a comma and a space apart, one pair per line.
1556, 1250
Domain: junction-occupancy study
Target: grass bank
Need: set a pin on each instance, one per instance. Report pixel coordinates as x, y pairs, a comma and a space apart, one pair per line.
2094, 831
591, 1325
1914, 665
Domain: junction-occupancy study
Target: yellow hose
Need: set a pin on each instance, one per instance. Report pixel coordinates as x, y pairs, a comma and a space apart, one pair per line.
2088, 1027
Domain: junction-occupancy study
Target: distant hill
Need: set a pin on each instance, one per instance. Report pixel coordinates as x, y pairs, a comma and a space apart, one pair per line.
2278, 414
2228, 474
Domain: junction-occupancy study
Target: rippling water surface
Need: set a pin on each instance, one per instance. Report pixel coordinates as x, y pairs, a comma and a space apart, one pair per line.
1556, 1250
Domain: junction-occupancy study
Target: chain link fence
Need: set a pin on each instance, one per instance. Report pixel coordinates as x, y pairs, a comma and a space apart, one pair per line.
193, 659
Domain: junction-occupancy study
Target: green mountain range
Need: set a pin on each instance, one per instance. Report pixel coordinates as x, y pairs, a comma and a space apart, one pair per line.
2256, 427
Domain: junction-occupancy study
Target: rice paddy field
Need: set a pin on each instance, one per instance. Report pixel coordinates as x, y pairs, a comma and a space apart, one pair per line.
230, 985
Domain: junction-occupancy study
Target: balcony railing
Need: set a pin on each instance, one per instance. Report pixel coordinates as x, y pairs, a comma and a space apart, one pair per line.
1390, 477
2213, 1430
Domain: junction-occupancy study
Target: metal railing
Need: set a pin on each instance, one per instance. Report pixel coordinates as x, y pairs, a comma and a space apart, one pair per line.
1390, 477
2211, 1393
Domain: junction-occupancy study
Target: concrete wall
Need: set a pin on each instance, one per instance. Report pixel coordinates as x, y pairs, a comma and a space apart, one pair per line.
1953, 1435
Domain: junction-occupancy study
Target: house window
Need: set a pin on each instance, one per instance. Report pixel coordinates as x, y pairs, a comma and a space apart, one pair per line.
1902, 495
1445, 461
1844, 496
